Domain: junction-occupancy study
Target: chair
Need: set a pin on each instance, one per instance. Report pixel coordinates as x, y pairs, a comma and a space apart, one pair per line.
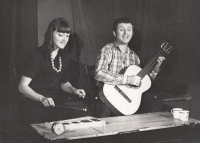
92, 88
99, 109
92, 84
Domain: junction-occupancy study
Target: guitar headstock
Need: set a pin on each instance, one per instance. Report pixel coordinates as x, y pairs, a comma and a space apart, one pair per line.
166, 46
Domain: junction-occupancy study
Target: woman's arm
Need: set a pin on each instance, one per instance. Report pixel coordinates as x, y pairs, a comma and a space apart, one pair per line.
25, 89
67, 87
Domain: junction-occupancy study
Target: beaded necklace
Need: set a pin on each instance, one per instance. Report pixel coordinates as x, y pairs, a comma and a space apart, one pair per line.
53, 65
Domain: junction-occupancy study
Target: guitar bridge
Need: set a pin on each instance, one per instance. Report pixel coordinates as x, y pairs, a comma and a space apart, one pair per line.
123, 94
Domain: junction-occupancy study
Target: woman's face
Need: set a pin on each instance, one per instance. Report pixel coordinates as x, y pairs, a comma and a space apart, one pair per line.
60, 39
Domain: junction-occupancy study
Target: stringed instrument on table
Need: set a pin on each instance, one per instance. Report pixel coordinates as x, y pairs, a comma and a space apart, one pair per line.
125, 99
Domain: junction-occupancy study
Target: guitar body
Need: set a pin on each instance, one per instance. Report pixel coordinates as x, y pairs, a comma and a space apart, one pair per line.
116, 102
125, 100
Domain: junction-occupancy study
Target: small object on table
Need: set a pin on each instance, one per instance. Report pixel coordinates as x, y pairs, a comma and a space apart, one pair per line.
57, 128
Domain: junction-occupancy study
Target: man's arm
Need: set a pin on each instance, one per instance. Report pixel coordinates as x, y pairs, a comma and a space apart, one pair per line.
103, 74
156, 70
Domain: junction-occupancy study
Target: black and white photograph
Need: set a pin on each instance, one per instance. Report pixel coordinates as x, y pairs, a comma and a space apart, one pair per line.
99, 71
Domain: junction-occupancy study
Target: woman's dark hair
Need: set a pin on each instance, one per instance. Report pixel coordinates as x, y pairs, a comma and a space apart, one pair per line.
59, 24
121, 20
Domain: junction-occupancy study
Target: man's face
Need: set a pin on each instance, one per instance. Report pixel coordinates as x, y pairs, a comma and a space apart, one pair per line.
123, 33
60, 39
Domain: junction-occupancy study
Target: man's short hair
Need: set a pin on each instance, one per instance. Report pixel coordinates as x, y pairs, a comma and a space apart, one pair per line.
121, 20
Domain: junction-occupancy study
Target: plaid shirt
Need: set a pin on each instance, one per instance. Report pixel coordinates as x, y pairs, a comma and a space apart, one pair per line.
112, 61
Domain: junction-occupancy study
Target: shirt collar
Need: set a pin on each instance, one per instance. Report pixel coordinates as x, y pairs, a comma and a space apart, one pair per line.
128, 51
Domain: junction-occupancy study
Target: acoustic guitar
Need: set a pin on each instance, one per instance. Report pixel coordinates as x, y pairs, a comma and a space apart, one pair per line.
126, 99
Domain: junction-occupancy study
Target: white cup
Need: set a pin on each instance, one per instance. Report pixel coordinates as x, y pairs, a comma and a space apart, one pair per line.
184, 115
176, 112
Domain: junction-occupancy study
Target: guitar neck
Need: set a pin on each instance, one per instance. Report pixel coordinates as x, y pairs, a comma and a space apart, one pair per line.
150, 66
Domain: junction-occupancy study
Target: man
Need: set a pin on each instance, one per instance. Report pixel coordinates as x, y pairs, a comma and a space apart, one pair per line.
116, 56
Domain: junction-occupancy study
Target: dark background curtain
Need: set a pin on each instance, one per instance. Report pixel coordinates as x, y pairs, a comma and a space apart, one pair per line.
155, 22
16, 19
23, 23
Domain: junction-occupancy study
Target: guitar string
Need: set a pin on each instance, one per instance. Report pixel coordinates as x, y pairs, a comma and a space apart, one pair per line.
150, 65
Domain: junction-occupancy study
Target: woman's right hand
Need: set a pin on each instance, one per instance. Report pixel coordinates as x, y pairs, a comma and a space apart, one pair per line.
47, 101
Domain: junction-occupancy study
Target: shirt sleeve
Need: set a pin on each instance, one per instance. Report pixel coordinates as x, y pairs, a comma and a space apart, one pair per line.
102, 72
153, 74
126, 79
34, 64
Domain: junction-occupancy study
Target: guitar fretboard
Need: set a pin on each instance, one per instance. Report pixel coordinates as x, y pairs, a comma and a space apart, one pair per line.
150, 66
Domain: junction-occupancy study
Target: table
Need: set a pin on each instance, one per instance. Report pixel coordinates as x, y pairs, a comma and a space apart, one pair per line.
119, 125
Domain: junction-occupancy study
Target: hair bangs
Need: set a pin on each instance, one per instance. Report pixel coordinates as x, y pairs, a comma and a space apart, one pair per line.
63, 27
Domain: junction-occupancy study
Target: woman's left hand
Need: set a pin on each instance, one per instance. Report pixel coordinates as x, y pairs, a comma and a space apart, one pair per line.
79, 92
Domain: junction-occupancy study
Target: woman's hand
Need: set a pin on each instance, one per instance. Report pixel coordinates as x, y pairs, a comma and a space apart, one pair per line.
47, 101
67, 87
79, 92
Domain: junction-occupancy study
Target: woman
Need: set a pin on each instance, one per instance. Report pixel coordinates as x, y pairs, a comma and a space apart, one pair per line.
46, 74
